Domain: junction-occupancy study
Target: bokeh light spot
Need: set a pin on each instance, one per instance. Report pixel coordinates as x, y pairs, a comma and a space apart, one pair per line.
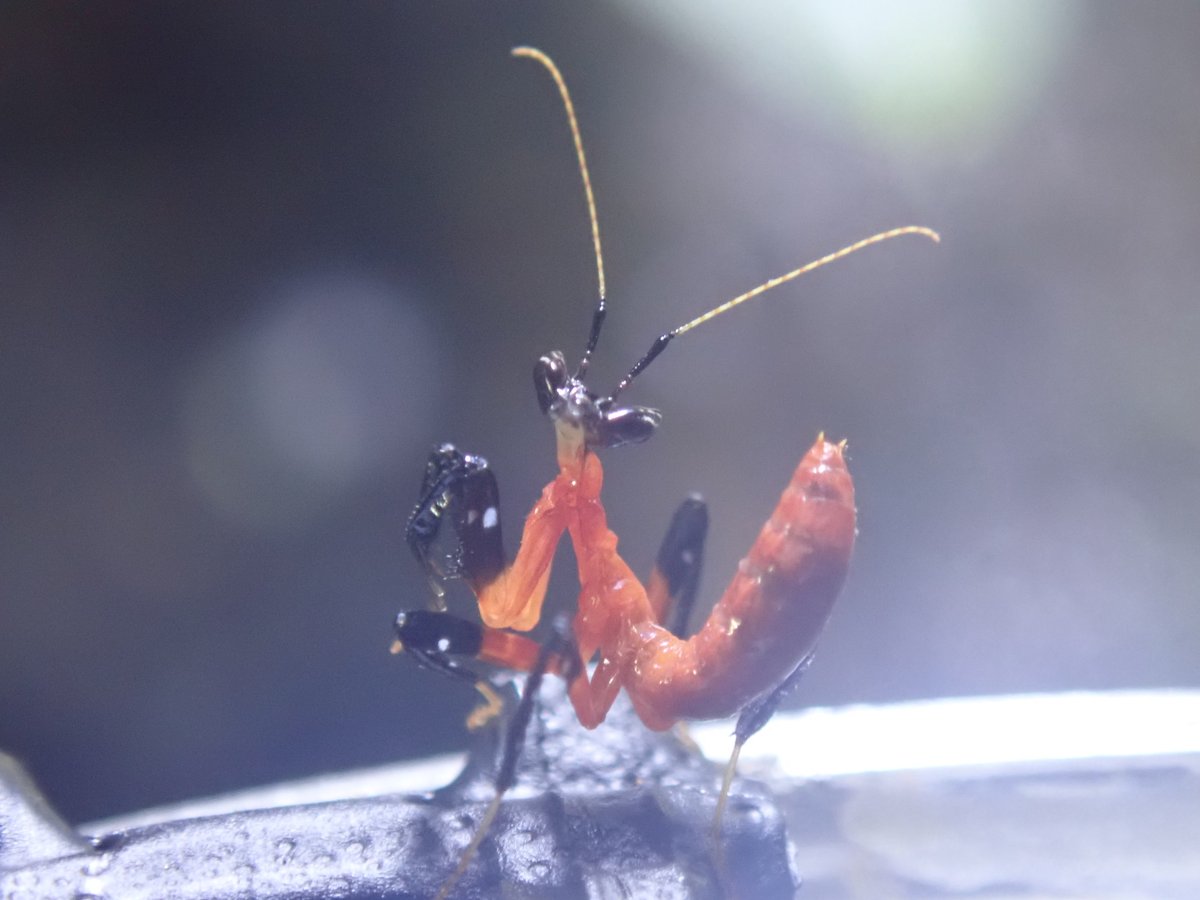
309, 398
914, 75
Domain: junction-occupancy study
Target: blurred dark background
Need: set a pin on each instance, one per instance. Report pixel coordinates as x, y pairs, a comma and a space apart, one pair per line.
255, 259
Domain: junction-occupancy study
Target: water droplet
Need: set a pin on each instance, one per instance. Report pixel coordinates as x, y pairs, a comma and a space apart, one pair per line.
90, 891
748, 812
97, 865
284, 850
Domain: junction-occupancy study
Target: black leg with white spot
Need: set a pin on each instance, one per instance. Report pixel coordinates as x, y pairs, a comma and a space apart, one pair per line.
461, 487
439, 641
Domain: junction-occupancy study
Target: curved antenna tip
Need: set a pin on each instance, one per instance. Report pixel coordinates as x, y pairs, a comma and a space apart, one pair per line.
569, 107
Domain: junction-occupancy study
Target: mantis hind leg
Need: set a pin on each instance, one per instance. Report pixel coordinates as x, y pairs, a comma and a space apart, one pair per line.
752, 718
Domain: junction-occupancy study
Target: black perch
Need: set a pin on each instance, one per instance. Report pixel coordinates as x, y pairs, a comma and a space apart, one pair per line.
620, 811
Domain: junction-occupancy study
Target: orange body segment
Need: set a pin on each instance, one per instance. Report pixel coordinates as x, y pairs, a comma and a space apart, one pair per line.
765, 624
770, 616
503, 648
514, 599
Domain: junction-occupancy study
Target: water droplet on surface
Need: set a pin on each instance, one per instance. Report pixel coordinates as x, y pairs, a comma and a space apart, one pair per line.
245, 872
747, 812
284, 850
97, 865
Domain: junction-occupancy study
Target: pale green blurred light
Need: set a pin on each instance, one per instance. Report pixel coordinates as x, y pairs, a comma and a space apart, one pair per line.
918, 73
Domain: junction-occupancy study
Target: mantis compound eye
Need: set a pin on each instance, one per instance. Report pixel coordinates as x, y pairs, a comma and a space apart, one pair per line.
549, 379
627, 425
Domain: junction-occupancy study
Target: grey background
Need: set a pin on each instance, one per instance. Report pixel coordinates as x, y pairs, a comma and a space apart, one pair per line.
256, 259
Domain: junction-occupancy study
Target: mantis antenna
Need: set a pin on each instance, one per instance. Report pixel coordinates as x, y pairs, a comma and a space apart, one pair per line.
661, 342
598, 315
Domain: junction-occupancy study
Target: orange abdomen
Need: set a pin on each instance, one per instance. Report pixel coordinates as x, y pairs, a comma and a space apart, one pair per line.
770, 616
